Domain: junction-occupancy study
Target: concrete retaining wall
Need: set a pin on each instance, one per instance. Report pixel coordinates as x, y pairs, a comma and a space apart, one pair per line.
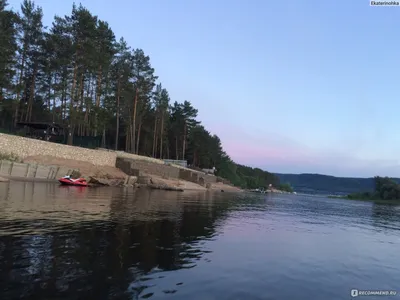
136, 157
196, 177
32, 171
134, 167
24, 147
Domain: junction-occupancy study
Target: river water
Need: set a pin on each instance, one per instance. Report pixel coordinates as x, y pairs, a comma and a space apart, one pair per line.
105, 243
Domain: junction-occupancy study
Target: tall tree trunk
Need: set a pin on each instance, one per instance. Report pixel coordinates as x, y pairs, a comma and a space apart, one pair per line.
21, 74
28, 116
86, 122
161, 135
145, 147
117, 127
63, 104
25, 96
168, 156
54, 99
156, 147
98, 93
127, 138
79, 108
184, 141
132, 146
176, 147
81, 93
49, 95
194, 158
154, 137
92, 91
98, 87
103, 140
71, 107
138, 137
134, 119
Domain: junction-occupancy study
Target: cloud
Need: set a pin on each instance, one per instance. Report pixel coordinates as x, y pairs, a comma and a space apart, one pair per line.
277, 153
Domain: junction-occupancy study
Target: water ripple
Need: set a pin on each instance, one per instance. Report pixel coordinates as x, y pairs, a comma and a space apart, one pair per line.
120, 243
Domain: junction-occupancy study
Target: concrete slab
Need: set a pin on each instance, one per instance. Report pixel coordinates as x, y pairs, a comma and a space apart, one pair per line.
5, 167
4, 179
53, 172
19, 170
135, 172
32, 168
42, 172
62, 171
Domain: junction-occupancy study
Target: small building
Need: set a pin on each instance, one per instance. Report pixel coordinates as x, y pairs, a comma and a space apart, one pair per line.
43, 131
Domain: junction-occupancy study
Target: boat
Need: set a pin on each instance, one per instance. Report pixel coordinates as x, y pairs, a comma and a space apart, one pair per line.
67, 180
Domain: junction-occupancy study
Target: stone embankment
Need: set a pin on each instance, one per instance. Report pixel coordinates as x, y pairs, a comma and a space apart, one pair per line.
25, 147
34, 171
137, 167
48, 161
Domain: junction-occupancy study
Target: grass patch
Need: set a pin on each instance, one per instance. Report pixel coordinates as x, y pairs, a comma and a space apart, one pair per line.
10, 157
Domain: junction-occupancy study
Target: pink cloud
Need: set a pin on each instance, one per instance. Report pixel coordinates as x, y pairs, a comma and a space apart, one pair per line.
280, 154
295, 160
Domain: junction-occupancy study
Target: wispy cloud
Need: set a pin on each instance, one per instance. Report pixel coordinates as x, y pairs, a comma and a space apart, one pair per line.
277, 153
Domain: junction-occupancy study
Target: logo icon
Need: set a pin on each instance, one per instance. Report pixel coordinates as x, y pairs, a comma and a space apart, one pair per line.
354, 293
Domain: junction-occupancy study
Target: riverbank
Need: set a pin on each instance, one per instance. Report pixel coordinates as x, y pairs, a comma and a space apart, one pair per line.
387, 190
276, 191
374, 200
41, 159
49, 168
106, 175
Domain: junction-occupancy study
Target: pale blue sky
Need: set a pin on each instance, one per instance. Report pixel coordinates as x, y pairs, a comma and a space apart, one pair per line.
289, 86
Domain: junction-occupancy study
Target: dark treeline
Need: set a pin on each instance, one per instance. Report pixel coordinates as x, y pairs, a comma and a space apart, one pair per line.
325, 184
385, 189
78, 74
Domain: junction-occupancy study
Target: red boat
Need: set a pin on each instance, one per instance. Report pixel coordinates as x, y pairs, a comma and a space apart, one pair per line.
67, 180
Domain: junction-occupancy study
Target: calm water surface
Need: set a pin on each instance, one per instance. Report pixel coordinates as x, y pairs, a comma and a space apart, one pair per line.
104, 243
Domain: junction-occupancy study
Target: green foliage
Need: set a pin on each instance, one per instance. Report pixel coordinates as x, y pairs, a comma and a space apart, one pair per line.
253, 178
385, 189
10, 157
286, 187
325, 184
76, 73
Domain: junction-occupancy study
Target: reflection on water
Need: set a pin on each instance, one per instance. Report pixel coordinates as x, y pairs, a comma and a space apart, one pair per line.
105, 243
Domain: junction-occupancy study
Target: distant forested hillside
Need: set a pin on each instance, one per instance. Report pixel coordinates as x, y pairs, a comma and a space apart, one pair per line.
325, 184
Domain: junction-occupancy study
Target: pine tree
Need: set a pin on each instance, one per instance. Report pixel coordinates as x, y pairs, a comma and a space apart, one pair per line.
76, 74
144, 82
30, 34
8, 47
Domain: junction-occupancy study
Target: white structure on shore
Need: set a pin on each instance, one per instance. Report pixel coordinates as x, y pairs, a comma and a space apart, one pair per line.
210, 171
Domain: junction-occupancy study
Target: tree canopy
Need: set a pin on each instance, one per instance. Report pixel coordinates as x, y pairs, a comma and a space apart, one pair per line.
385, 189
78, 74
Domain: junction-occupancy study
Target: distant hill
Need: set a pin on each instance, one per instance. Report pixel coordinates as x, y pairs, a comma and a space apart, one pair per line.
325, 184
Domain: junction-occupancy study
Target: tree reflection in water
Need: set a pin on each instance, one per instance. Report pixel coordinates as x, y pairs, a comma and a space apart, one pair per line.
109, 244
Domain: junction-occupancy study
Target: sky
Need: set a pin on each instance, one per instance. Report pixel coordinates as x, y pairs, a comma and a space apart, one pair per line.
289, 86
